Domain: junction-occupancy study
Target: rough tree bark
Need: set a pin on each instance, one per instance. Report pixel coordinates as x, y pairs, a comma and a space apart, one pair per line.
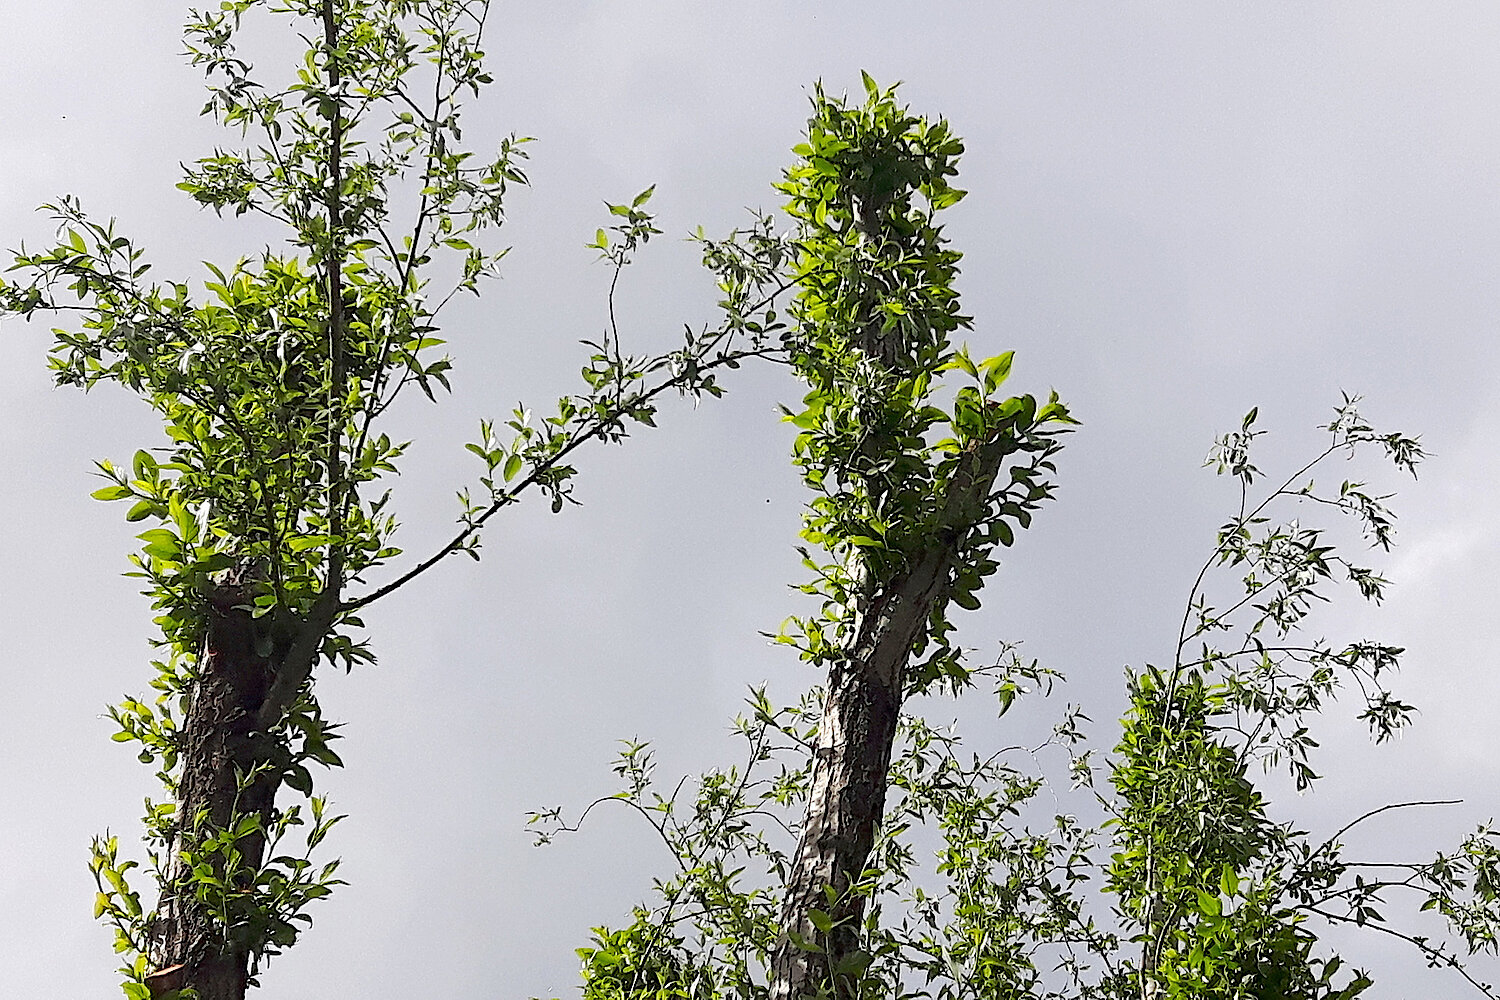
850, 770
248, 674
221, 744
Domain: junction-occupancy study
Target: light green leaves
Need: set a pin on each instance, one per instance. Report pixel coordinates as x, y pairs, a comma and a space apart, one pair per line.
633, 232
996, 370
143, 509
162, 545
875, 312
144, 466
112, 493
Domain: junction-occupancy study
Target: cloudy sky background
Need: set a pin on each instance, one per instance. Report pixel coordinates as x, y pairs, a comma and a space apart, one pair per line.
1177, 211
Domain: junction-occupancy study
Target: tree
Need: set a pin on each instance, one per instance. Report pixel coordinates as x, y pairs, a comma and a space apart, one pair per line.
908, 508
269, 533
798, 873
1199, 891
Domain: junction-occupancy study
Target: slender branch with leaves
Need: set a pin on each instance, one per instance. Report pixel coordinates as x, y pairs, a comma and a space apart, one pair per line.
1218, 897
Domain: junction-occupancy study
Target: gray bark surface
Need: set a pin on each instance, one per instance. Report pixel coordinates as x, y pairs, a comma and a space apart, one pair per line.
856, 734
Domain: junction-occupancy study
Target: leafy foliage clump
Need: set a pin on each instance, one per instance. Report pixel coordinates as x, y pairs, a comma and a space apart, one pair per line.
889, 460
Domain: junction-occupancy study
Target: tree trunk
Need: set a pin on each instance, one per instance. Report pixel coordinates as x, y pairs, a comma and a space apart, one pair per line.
222, 745
850, 770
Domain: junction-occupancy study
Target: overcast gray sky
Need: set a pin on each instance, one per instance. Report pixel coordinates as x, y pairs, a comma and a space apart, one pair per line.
1178, 210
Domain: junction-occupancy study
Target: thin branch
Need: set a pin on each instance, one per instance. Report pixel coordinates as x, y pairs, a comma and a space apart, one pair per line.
599, 427
645, 813
1435, 956
1393, 805
1182, 636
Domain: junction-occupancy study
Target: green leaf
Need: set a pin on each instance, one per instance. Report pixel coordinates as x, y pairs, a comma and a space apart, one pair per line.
142, 510
161, 543
946, 198
111, 493
962, 362
300, 779
996, 370
512, 467
806, 420
801, 943
1229, 881
304, 542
